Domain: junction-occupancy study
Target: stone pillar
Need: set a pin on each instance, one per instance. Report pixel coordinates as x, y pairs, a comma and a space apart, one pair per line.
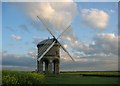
57, 68
50, 67
41, 66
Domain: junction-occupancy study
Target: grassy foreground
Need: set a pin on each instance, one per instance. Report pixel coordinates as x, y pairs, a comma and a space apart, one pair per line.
17, 77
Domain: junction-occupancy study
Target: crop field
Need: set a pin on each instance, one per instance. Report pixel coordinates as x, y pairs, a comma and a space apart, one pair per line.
20, 77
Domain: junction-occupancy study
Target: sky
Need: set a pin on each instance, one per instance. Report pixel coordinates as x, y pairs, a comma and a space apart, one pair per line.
92, 39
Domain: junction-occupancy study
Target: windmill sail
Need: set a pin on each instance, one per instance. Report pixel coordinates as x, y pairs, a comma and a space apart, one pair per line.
45, 26
66, 51
56, 39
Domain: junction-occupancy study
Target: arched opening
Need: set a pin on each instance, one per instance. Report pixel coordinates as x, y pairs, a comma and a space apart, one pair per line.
44, 65
49, 66
56, 66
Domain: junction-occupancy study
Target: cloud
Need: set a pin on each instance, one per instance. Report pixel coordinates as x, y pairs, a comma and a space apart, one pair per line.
32, 54
17, 60
89, 66
90, 59
72, 41
57, 15
65, 45
105, 46
16, 37
91, 63
94, 18
107, 43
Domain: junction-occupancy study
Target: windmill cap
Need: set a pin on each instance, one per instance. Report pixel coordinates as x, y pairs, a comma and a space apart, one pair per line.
46, 41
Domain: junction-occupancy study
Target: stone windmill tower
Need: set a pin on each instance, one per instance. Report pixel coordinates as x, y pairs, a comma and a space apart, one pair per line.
50, 59
49, 54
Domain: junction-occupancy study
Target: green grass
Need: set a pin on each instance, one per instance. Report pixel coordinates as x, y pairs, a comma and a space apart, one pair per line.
101, 73
78, 79
17, 77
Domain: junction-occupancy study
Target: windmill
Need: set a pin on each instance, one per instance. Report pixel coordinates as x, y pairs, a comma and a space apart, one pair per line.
48, 59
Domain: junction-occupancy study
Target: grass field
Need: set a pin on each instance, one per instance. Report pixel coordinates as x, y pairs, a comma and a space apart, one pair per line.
17, 77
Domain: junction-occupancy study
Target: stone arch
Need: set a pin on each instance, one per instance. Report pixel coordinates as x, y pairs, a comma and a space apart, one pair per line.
44, 61
51, 66
56, 66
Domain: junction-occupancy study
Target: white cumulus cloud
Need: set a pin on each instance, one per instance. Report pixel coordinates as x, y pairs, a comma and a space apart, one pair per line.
16, 37
32, 54
106, 43
57, 15
94, 18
